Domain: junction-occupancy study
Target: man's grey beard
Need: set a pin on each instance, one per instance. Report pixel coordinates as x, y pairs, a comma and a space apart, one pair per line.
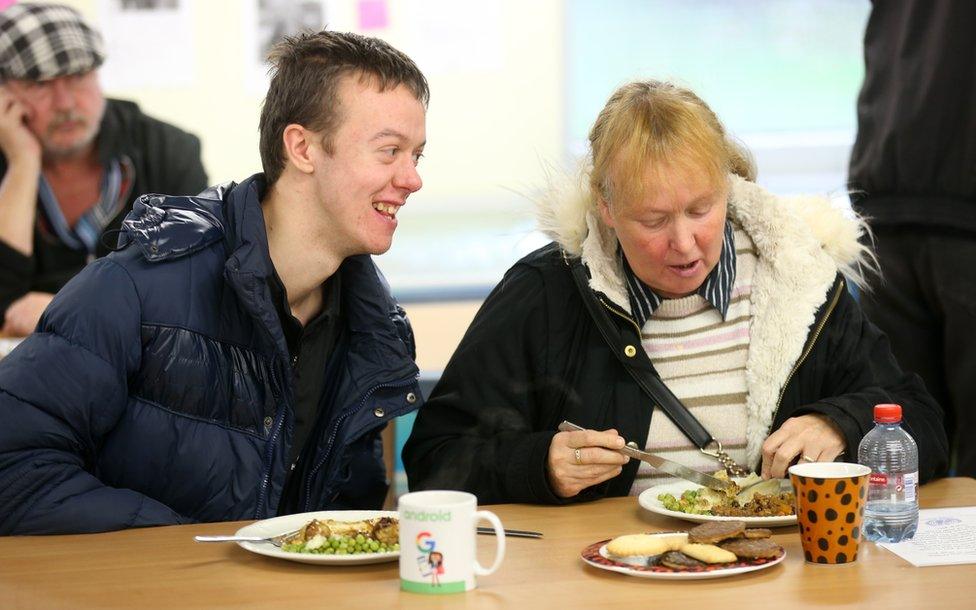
64, 153
79, 148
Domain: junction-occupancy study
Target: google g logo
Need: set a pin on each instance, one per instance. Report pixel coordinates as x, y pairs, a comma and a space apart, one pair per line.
425, 542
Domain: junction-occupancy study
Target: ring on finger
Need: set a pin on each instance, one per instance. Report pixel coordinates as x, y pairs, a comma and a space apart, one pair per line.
806, 458
579, 456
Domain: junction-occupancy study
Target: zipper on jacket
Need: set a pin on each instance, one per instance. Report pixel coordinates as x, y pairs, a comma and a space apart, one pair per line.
335, 432
622, 315
266, 480
809, 347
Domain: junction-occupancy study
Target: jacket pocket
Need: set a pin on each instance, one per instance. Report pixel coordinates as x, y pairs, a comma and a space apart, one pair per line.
195, 375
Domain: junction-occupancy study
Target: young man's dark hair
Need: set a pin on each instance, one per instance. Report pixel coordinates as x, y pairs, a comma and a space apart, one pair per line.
306, 72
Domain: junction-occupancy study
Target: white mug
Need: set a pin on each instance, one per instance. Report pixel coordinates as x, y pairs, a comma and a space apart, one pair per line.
437, 541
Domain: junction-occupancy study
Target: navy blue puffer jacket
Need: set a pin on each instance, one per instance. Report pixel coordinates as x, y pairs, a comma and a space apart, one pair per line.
157, 390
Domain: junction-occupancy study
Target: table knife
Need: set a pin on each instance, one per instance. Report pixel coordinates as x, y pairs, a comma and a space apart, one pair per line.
665, 465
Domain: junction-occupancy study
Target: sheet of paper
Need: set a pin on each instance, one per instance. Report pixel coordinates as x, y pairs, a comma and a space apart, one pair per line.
945, 536
137, 54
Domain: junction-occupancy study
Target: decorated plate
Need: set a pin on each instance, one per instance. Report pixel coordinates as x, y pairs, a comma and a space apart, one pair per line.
596, 555
648, 499
287, 523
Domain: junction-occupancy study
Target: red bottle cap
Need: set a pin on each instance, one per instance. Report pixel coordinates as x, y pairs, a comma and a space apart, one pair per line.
887, 414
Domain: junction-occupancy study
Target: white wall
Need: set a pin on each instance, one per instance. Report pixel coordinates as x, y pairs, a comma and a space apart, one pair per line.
512, 81
488, 128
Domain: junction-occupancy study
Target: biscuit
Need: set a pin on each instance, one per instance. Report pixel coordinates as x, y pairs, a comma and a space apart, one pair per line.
716, 531
677, 560
708, 553
645, 544
753, 549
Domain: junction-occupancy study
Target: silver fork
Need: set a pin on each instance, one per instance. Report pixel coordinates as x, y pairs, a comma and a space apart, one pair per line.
275, 540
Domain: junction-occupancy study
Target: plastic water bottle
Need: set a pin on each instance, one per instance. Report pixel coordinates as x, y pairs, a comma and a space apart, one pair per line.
891, 512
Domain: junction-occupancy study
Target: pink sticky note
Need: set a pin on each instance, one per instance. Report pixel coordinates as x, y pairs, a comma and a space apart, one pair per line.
372, 14
5, 3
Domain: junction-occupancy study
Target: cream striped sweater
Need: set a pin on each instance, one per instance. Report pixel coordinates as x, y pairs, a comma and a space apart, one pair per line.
702, 359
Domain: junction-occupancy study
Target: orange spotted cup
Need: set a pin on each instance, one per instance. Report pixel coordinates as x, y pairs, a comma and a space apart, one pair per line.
829, 509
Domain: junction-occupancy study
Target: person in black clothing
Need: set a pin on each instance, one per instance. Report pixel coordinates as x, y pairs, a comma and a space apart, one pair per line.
913, 174
71, 161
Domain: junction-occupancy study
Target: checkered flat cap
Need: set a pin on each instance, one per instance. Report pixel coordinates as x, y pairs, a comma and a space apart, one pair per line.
43, 41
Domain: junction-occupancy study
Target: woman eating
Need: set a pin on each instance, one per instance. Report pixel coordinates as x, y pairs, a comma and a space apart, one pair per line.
680, 307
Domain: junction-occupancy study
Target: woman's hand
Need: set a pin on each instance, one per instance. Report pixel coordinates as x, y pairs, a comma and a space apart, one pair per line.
584, 458
810, 438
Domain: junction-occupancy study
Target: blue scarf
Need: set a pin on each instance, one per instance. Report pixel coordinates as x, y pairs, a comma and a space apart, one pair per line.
88, 229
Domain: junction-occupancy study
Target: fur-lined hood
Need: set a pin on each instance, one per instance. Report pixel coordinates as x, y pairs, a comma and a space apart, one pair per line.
802, 243
779, 227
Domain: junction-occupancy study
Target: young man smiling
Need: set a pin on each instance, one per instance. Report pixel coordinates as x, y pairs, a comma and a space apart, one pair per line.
240, 355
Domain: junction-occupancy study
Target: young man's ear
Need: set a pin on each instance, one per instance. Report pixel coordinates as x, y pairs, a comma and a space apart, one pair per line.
299, 146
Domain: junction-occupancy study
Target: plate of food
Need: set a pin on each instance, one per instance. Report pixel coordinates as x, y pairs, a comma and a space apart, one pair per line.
711, 550
338, 537
768, 503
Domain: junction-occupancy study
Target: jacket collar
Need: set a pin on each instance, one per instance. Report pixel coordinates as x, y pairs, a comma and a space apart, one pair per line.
248, 266
114, 136
168, 227
369, 310
567, 215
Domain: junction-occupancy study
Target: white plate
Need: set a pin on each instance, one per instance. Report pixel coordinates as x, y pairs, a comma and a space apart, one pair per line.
287, 523
648, 499
596, 555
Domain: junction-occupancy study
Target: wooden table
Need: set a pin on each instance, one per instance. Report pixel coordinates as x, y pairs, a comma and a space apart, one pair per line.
164, 568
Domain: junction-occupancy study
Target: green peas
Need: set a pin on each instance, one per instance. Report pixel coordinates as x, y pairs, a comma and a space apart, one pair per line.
358, 544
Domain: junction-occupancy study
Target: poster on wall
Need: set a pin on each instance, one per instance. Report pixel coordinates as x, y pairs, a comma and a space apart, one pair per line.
266, 22
148, 43
279, 18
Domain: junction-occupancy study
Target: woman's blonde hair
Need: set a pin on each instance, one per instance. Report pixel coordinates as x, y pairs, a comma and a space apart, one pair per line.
659, 126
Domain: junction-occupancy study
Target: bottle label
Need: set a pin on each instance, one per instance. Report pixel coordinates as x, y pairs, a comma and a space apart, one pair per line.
910, 482
902, 486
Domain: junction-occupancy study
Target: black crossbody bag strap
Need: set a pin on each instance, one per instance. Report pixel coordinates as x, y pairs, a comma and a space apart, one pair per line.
648, 381
651, 383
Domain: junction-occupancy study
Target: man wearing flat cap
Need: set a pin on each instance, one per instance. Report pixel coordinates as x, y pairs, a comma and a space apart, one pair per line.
71, 161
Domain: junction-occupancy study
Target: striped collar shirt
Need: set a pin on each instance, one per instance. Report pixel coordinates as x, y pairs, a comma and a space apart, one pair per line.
716, 289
